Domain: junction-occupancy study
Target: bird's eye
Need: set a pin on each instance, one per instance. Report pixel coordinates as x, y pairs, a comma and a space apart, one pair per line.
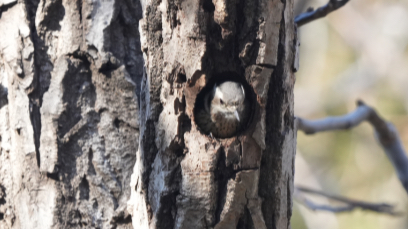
221, 101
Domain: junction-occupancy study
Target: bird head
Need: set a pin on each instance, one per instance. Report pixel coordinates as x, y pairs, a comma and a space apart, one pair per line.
228, 100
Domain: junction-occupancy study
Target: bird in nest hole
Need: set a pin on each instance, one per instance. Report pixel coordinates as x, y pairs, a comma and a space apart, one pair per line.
225, 110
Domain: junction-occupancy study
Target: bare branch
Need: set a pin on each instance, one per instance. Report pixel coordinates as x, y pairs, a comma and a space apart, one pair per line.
385, 133
335, 123
348, 204
311, 15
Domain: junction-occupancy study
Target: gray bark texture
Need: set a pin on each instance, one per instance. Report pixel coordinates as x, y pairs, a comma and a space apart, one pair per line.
69, 126
97, 125
183, 178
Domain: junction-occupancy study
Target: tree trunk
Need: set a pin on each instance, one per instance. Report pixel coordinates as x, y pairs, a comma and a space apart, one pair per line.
184, 178
70, 73
69, 126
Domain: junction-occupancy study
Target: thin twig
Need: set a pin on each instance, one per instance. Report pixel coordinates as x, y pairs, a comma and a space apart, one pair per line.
385, 133
348, 204
311, 15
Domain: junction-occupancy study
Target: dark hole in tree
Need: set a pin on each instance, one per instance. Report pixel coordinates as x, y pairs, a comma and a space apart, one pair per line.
84, 189
53, 176
208, 6
116, 122
181, 78
218, 79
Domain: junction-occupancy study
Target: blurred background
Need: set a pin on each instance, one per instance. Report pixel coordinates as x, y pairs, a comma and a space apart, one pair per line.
357, 52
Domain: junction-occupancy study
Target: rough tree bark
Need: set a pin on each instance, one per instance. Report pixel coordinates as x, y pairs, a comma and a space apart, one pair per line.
184, 178
69, 74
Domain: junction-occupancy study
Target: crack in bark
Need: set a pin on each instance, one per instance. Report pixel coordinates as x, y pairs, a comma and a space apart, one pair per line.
3, 96
270, 66
35, 97
79, 5
222, 175
151, 85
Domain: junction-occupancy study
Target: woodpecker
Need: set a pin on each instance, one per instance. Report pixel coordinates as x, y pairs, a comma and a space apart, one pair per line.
225, 110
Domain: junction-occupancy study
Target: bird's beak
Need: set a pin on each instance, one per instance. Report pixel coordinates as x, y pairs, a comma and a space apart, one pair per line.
236, 115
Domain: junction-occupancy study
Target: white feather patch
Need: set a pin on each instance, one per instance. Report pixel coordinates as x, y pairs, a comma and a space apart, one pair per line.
243, 90
219, 93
